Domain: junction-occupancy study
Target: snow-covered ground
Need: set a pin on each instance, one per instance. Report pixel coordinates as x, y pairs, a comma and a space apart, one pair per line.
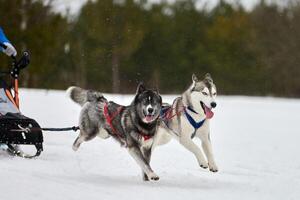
255, 140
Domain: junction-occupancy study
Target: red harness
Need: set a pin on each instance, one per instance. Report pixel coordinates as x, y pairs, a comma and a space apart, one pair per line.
146, 137
109, 118
168, 114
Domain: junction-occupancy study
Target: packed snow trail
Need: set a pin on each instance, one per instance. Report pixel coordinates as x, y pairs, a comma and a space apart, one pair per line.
255, 142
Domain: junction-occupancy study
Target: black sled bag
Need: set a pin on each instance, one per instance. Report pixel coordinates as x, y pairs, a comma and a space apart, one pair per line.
16, 128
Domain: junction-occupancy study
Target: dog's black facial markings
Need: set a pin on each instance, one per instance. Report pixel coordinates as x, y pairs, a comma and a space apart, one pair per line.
144, 99
202, 106
209, 84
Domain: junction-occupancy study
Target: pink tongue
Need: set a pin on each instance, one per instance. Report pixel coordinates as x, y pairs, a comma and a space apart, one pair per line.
148, 118
208, 112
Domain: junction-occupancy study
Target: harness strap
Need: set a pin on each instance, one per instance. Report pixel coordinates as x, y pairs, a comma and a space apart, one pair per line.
109, 118
192, 110
168, 114
195, 124
73, 128
146, 137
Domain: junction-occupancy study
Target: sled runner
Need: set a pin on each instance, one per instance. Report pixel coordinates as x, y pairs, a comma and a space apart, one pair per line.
15, 128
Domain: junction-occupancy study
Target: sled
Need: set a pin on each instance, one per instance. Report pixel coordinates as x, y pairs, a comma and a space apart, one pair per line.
15, 128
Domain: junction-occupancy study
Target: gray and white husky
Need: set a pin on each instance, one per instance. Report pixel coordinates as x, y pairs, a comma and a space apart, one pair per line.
133, 126
189, 117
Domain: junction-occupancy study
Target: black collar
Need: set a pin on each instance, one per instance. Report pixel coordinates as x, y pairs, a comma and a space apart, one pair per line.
192, 110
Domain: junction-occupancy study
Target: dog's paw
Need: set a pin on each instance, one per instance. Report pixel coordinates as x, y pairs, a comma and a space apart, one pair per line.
153, 177
145, 177
213, 170
213, 167
75, 148
203, 165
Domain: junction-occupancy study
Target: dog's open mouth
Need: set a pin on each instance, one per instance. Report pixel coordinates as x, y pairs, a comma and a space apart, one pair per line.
209, 114
148, 118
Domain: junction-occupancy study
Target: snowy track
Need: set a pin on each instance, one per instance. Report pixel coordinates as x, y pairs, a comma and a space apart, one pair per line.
255, 140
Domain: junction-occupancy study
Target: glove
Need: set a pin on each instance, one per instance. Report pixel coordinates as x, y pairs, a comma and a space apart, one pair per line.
10, 49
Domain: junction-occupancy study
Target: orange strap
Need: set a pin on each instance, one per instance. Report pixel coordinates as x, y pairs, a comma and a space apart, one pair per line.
8, 94
16, 89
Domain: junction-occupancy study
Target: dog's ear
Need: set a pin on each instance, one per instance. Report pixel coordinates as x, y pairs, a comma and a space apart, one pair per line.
194, 78
155, 89
157, 92
140, 88
208, 77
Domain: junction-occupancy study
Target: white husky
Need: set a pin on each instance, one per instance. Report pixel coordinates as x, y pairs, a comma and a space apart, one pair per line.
189, 117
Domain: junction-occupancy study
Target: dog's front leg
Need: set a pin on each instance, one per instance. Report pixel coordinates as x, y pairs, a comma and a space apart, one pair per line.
136, 153
188, 143
147, 155
207, 147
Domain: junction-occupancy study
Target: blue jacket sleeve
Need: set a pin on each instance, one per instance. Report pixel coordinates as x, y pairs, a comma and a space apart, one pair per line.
3, 38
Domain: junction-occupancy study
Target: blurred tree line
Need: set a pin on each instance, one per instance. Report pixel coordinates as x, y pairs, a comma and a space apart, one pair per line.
113, 44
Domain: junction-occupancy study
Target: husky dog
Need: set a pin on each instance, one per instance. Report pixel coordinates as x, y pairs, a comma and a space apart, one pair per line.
188, 117
133, 126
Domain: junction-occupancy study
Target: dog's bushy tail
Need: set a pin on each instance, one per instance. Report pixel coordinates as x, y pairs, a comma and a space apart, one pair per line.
81, 96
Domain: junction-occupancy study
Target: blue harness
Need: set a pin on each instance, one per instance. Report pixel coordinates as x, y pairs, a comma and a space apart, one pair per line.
195, 124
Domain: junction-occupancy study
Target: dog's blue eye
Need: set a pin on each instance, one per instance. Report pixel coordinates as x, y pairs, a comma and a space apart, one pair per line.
204, 93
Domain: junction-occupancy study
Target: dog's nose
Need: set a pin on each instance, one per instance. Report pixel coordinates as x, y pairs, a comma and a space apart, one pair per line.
150, 110
213, 104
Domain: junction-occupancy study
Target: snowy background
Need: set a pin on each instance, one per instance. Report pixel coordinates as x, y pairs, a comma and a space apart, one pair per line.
255, 140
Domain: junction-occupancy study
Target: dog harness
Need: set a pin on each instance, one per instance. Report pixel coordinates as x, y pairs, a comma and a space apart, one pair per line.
146, 137
166, 115
109, 119
195, 124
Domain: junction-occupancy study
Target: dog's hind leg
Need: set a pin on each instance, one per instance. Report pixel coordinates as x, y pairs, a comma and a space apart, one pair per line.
103, 134
77, 142
83, 137
188, 143
136, 153
207, 147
